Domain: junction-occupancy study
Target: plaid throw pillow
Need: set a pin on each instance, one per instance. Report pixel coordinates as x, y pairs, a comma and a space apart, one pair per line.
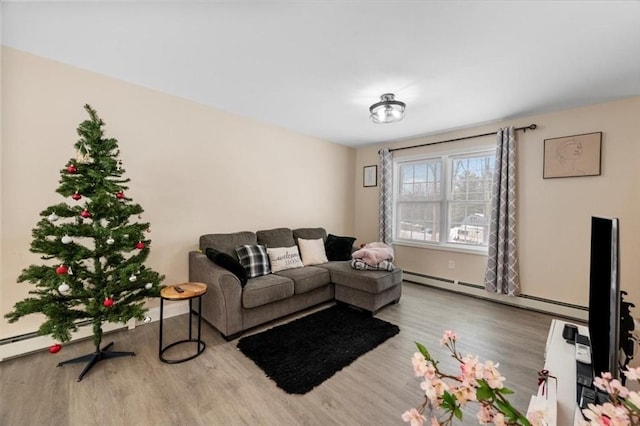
254, 259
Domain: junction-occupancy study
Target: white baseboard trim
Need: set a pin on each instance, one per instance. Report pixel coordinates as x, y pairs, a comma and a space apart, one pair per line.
537, 304
23, 345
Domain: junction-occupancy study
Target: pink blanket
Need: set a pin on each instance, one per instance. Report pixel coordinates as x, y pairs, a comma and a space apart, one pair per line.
374, 253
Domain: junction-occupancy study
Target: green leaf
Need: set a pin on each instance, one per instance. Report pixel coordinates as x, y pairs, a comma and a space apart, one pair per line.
507, 409
484, 392
449, 399
423, 350
631, 406
523, 420
458, 413
505, 391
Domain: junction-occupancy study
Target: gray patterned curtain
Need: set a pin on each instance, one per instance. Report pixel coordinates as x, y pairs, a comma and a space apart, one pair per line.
385, 225
502, 265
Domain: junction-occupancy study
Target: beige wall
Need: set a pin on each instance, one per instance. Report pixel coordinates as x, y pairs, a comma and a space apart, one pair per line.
554, 219
194, 169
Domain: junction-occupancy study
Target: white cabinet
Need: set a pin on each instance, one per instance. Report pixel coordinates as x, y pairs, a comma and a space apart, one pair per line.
559, 399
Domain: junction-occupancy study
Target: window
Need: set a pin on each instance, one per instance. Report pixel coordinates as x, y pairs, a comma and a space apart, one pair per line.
444, 200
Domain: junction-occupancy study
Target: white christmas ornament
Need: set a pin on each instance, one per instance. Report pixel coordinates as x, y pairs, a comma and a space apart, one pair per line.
147, 320
148, 286
53, 217
70, 272
132, 278
110, 241
63, 288
66, 239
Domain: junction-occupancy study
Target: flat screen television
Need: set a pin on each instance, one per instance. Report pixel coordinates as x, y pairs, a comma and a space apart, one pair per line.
604, 296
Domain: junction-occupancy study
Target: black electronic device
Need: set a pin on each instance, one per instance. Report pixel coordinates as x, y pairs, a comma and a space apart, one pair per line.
587, 396
584, 374
604, 295
584, 379
569, 333
178, 289
583, 349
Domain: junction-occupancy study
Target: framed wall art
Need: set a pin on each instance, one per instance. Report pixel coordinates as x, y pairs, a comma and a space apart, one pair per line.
572, 156
370, 176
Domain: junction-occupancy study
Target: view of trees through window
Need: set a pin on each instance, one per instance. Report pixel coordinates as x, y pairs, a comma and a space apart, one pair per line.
444, 200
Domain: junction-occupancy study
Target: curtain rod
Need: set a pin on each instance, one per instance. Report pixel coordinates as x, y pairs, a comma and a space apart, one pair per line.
524, 129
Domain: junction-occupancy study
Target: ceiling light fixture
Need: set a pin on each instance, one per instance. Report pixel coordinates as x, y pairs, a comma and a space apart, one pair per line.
388, 110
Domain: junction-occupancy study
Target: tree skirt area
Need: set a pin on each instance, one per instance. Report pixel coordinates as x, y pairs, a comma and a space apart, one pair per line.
302, 354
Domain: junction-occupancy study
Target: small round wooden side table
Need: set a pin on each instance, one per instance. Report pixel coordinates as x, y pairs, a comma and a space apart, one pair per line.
185, 291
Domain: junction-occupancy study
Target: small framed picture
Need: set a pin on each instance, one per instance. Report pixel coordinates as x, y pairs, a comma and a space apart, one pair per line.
572, 156
370, 176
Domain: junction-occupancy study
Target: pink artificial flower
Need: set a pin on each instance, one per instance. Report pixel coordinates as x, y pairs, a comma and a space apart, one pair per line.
429, 391
419, 364
470, 369
537, 417
434, 389
602, 382
610, 385
617, 388
430, 372
414, 417
464, 393
434, 421
422, 367
485, 415
634, 398
606, 414
492, 375
448, 336
499, 419
632, 373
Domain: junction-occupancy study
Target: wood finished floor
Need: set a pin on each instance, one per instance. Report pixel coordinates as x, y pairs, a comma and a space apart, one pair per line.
222, 387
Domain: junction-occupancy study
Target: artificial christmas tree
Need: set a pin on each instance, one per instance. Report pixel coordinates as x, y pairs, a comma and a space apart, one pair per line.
94, 249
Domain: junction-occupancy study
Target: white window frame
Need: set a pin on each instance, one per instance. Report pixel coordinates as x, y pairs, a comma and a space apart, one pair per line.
446, 199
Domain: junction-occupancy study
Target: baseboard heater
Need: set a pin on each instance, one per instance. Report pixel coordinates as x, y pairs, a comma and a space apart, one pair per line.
24, 344
534, 303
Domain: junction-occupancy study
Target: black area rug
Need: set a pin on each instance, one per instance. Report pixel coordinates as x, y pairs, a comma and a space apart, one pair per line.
301, 354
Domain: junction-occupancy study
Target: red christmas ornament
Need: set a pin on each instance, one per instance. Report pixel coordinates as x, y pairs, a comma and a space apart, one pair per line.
140, 245
108, 302
119, 195
54, 349
76, 196
85, 213
71, 169
61, 270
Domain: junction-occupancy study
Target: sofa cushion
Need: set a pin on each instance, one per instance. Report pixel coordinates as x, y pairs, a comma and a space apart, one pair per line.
312, 251
266, 289
307, 278
255, 260
229, 263
227, 243
282, 258
339, 248
368, 281
310, 233
278, 237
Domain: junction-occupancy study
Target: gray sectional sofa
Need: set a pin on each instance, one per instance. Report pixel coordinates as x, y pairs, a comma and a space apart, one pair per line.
233, 308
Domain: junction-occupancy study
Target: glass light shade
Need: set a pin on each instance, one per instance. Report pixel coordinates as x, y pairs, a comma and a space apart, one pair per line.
388, 110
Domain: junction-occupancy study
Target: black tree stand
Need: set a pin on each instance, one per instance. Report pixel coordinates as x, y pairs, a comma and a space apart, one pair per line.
97, 356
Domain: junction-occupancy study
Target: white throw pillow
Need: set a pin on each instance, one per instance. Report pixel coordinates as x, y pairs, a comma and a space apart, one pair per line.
282, 258
312, 251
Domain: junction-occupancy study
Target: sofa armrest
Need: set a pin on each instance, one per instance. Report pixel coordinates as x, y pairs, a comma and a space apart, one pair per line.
222, 303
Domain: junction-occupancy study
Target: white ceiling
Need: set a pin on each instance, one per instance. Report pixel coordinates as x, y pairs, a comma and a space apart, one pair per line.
316, 66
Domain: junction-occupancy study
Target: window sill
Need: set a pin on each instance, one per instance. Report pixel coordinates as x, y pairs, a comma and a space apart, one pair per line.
479, 251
